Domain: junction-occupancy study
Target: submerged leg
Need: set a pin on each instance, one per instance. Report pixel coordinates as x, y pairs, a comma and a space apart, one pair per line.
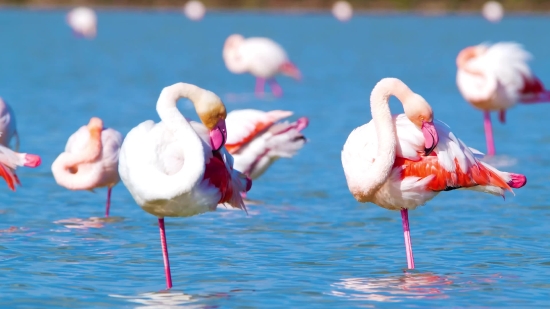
407, 234
108, 206
275, 87
260, 86
165, 254
489, 133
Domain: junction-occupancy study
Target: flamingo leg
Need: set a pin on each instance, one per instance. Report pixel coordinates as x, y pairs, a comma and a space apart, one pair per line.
165, 254
260, 86
275, 87
407, 235
108, 206
489, 133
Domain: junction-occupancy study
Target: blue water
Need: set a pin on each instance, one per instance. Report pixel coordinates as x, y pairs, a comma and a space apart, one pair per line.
308, 243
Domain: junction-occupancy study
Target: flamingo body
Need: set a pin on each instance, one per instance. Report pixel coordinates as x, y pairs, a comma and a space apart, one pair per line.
256, 139
8, 126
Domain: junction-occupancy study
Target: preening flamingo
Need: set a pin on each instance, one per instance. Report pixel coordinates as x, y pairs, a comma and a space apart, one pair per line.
180, 168
9, 160
8, 127
256, 138
401, 162
496, 77
90, 160
83, 21
261, 57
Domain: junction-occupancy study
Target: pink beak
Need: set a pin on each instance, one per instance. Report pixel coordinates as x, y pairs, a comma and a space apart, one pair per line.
32, 160
430, 137
288, 68
218, 135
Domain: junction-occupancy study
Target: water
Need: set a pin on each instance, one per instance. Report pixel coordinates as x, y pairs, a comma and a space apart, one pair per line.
308, 243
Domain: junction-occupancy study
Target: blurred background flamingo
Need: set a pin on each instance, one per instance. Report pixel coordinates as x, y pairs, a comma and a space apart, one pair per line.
83, 21
90, 160
261, 57
194, 10
257, 139
8, 126
402, 162
495, 78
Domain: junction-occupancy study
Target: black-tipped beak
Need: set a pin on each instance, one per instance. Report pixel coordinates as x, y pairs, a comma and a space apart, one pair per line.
431, 139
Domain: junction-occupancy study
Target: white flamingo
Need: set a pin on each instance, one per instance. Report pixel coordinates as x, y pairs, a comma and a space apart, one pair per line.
261, 57
402, 162
178, 168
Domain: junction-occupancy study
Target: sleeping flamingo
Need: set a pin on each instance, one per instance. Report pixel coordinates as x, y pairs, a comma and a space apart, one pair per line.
261, 57
9, 160
83, 21
256, 139
495, 78
8, 127
402, 162
90, 160
180, 168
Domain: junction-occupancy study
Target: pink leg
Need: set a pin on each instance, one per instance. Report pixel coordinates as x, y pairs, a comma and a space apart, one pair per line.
502, 116
275, 87
260, 86
165, 254
489, 133
407, 234
108, 206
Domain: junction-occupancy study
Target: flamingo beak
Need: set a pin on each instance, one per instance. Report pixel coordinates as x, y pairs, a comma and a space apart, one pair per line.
218, 135
288, 68
430, 137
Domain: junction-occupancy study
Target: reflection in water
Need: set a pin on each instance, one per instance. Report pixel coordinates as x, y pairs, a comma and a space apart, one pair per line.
392, 289
172, 299
92, 222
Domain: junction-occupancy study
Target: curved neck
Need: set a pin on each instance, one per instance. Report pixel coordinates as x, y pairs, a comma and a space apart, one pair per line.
193, 149
381, 167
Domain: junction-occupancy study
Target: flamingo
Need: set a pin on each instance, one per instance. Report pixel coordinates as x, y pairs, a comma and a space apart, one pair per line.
90, 160
492, 11
342, 10
256, 139
496, 77
401, 162
262, 57
178, 168
9, 160
194, 10
83, 21
8, 125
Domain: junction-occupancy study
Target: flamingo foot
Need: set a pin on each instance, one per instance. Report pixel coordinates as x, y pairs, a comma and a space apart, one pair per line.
489, 133
260, 87
275, 88
407, 235
108, 206
165, 254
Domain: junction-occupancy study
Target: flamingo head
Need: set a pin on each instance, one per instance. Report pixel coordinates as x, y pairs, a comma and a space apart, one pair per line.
95, 126
420, 114
212, 113
469, 53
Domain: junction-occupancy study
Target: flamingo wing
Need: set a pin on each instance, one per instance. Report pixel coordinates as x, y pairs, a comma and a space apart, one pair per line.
451, 166
78, 140
244, 125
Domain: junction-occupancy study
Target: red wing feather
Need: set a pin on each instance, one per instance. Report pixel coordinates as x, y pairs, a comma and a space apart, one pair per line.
444, 180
